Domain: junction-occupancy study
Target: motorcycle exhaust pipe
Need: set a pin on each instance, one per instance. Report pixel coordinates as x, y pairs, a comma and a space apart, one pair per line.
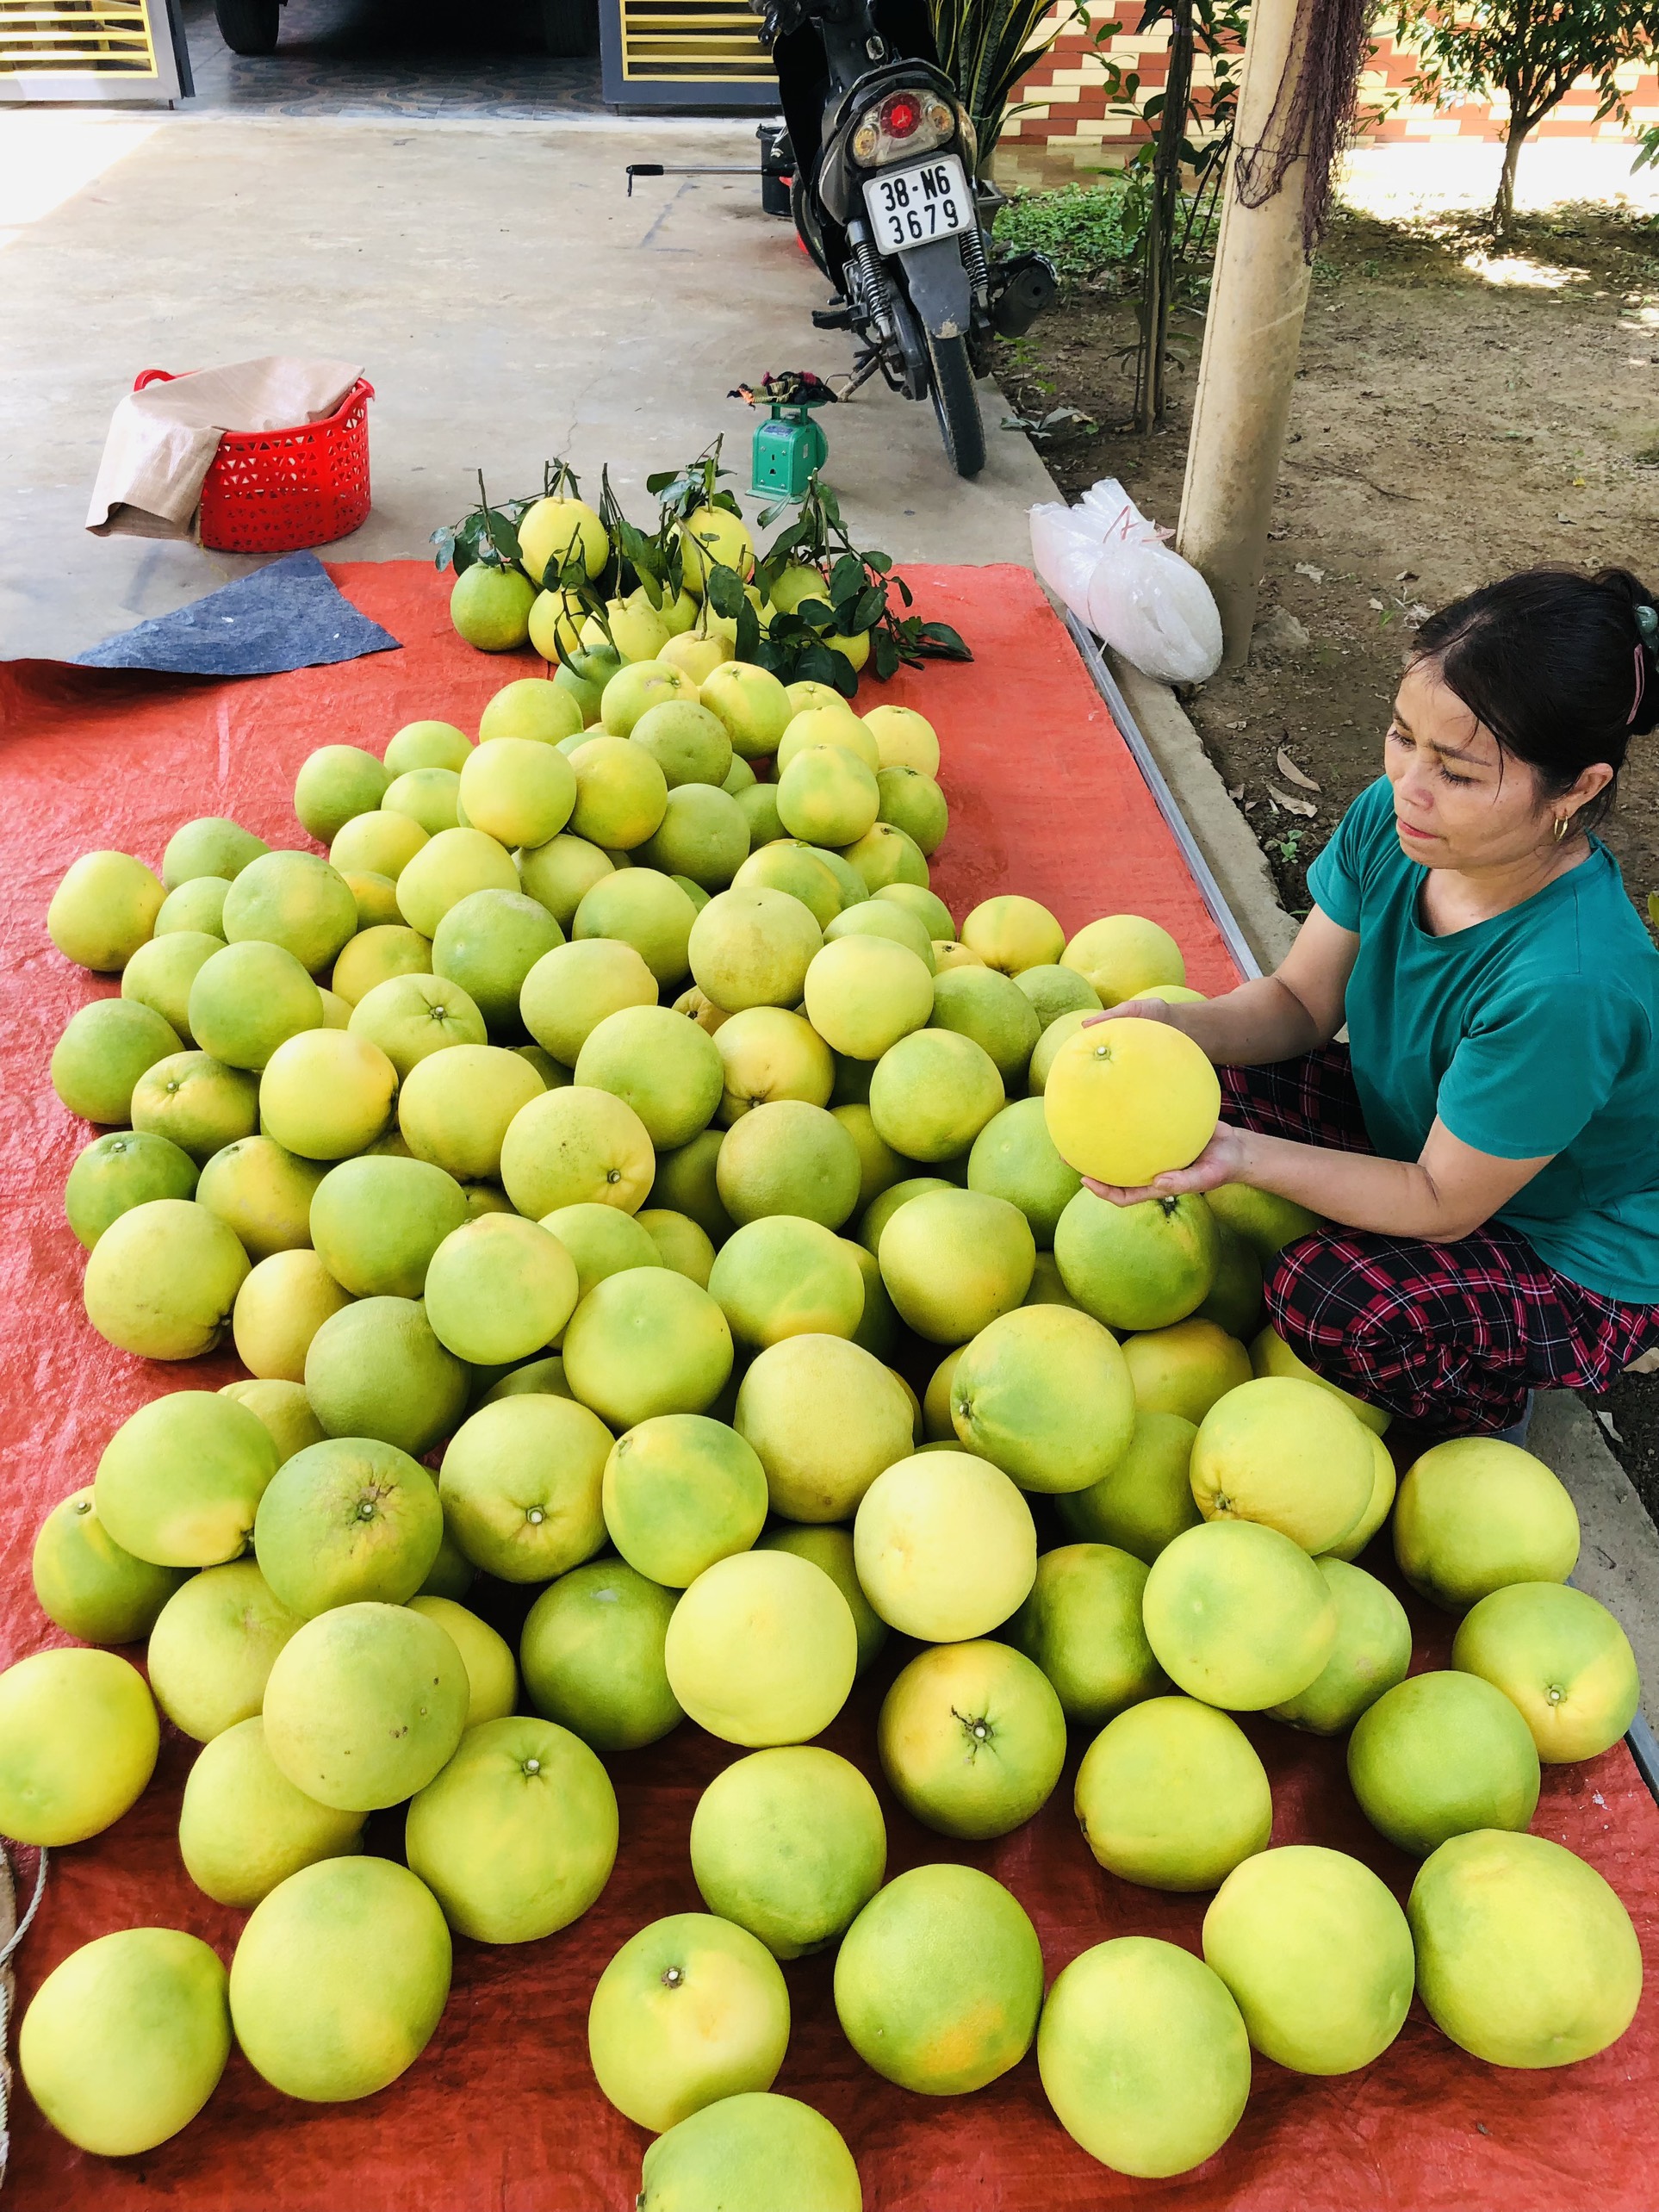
1022, 288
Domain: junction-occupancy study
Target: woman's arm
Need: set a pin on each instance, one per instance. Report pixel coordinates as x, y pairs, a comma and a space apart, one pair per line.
1273, 1017
1445, 1195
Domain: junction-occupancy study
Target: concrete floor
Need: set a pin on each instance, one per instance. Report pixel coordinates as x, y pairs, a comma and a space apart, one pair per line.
504, 297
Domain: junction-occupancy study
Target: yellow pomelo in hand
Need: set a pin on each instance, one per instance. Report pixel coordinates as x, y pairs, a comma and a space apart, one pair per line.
1121, 954
690, 2011
279, 1308
1238, 1615
327, 1093
557, 530
499, 1288
243, 1827
761, 1649
1172, 1795
826, 1418
1270, 1355
945, 1546
384, 843
104, 909
427, 744
1284, 1453
1473, 1516
456, 1106
1128, 1100
519, 791
162, 1280
752, 946
78, 1739
904, 739
864, 993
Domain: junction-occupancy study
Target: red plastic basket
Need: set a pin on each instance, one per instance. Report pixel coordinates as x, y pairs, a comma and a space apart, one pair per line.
278, 491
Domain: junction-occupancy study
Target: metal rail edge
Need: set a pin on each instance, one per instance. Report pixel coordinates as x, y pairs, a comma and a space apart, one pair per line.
1639, 1738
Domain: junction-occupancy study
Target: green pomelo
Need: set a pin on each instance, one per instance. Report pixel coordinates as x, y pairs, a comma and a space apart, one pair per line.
1081, 1624
826, 1418
212, 845
88, 1585
488, 943
197, 905
450, 1575
197, 1102
945, 1545
752, 946
279, 1308
1475, 1515
1287, 1455
877, 917
878, 1324
380, 844
1372, 1652
159, 974
827, 796
427, 744
1054, 990
1317, 1956
1558, 1655
104, 909
570, 990
1140, 1266
456, 1106
347, 1520
410, 1016
881, 1208
680, 1243
1525, 1956
243, 1827
1043, 1392
296, 900
702, 840
886, 854
1014, 1158
376, 1368
971, 1739
955, 1261
214, 1646
784, 1277
787, 1157
1186, 1367
665, 1068
576, 1145
106, 1047
939, 1981
1234, 1302
284, 1409
831, 1548
690, 2010
687, 1181
758, 804
750, 2153
591, 1657
335, 783
376, 1223
78, 1739
363, 1705
1440, 1754
602, 1240
751, 704
927, 906
913, 802
180, 1481
117, 1172
761, 1649
500, 1289
933, 1093
339, 1978
792, 869
263, 1193
680, 1492
521, 1487
1384, 1485
247, 999
1170, 1795
1237, 1613
428, 796
327, 1094
530, 707
992, 1009
448, 868
640, 907
557, 875
518, 1835
767, 1053
790, 1844
1266, 1223
124, 2043
647, 1341
1146, 1502
1144, 2057
492, 1671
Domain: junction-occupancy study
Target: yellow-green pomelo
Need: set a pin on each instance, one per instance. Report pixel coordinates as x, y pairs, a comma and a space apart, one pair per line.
635, 629
666, 1068
689, 744
794, 869
160, 973
1146, 1502
874, 1219
1185, 1368
816, 723
702, 838
1144, 2057
197, 1103
681, 1243
1237, 1613
1173, 994
945, 1546
1136, 1267
761, 1649
519, 790
1047, 1289
521, 1486
1383, 1483
530, 709
622, 793
864, 993
296, 900
377, 910
876, 917
602, 1240
645, 1342
903, 738
411, 1016
180, 1481
212, 845
635, 687
383, 843
1286, 1454
785, 1277
448, 868
752, 946
517, 1836
214, 1646
690, 2010
105, 1049
430, 798
557, 874
805, 693
827, 795
886, 855
1266, 1222
928, 907
284, 1409
591, 1657
1121, 954
759, 805
1127, 1101
491, 1673
90, 1585
1054, 1034
488, 943
263, 1193
680, 1492
750, 704
572, 988
125, 1168
279, 1308
826, 1418
787, 1157
1014, 1158
932, 1092
1560, 1658
1473, 1516
163, 1279
749, 2153
767, 1053
1441, 1754
347, 1520
546, 1376
573, 1145
197, 905
335, 783
688, 1182
850, 883
971, 1739
1525, 1956
456, 1107
1055, 991
427, 744
557, 530
1270, 1355
327, 1093
1013, 934
790, 1844
243, 1827
500, 1289
376, 1222
103, 909
880, 1165
78, 1738
939, 1981
377, 1370
364, 1704
913, 802
339, 1978
1042, 1392
1170, 1795
831, 1549
1372, 1652
489, 608
956, 1261
124, 2042
1081, 1624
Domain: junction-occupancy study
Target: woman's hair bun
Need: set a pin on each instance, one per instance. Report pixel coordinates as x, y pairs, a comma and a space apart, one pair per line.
1644, 670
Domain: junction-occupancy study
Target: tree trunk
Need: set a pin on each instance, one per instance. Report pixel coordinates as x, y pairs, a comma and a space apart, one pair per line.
1503, 208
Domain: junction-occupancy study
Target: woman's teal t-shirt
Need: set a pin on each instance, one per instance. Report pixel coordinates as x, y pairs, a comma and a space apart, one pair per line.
1535, 1033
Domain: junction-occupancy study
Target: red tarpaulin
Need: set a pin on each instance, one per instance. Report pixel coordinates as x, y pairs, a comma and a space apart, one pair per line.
502, 2110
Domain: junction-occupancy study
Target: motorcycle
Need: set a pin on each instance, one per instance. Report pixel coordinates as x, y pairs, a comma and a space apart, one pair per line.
886, 198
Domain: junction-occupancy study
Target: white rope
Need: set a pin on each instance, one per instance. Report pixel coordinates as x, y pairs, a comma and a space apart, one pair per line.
7, 1984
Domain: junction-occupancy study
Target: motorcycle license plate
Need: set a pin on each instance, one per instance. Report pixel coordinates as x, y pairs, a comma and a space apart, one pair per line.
909, 207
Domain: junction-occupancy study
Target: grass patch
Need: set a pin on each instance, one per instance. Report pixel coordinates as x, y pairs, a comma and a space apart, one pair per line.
1090, 232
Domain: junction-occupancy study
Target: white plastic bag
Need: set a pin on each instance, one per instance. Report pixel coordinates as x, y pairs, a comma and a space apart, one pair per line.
1111, 568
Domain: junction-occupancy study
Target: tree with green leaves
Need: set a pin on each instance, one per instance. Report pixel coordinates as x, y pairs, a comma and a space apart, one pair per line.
1533, 51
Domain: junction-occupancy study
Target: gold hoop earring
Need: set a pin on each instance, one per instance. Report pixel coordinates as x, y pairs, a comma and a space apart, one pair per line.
1563, 823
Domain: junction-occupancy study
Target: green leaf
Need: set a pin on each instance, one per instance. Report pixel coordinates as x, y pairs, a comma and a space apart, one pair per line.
444, 541
748, 632
816, 615
817, 664
723, 590
885, 655
867, 609
940, 643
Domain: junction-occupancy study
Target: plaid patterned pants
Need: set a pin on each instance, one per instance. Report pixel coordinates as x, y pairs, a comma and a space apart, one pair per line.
1448, 1337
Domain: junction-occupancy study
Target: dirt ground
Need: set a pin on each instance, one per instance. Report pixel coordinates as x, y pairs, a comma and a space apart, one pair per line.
1458, 415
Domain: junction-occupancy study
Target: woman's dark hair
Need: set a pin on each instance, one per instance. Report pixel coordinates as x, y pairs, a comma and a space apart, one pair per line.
1557, 667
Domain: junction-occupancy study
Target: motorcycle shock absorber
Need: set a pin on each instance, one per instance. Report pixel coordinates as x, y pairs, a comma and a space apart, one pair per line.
973, 257
871, 279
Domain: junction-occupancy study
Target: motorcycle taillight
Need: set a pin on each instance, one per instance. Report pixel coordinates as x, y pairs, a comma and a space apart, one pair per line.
901, 115
902, 126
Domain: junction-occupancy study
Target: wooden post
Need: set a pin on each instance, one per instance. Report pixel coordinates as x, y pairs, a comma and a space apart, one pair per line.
1248, 371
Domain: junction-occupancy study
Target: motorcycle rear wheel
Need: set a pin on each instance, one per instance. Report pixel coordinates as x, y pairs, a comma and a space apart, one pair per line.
956, 404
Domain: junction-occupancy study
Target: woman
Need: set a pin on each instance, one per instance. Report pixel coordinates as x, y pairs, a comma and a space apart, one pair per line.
1486, 1146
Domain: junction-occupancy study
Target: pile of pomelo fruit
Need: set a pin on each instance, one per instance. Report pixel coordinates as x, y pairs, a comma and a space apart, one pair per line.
620, 1176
